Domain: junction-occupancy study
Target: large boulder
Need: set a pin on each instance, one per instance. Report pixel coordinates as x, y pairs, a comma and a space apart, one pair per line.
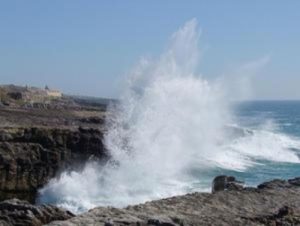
223, 182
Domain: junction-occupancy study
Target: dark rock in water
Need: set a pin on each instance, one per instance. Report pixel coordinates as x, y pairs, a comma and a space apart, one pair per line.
21, 213
273, 204
221, 183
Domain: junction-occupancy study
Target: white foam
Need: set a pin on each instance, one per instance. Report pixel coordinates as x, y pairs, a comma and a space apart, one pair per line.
170, 121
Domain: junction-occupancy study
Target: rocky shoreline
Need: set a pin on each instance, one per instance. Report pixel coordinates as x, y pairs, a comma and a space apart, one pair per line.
275, 202
17, 212
41, 139
272, 203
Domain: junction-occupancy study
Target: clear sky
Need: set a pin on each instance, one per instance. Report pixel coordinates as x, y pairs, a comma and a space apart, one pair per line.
84, 47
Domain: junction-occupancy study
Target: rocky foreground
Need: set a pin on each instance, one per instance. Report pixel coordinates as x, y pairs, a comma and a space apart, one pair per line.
22, 213
42, 135
271, 203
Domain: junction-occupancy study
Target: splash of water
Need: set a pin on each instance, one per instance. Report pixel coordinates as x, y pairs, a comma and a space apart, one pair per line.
170, 121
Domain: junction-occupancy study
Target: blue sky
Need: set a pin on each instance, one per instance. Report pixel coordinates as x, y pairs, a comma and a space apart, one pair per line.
85, 47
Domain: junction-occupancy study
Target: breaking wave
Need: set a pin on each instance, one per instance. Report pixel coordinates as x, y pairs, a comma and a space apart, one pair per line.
170, 121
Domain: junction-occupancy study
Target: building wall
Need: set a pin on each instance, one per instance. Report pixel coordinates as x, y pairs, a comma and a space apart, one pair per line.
53, 93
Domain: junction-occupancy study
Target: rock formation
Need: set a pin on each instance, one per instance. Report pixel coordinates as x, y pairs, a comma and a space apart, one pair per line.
30, 157
275, 204
21, 213
223, 182
41, 137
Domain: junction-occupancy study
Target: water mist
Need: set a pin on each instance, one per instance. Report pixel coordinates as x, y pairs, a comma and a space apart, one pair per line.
170, 122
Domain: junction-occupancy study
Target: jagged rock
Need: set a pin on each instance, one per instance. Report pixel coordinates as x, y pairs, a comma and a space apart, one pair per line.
271, 205
21, 213
221, 183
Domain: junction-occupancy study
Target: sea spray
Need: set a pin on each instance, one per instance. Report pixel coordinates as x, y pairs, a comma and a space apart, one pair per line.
170, 122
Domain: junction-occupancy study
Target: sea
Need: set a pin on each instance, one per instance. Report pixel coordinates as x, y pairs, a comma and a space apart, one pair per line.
264, 144
274, 127
173, 130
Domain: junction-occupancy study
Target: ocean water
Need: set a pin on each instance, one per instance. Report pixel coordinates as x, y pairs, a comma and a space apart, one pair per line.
264, 126
281, 120
264, 132
174, 130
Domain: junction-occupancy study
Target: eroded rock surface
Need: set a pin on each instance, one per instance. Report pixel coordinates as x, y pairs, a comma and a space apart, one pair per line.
21, 213
273, 203
30, 157
42, 135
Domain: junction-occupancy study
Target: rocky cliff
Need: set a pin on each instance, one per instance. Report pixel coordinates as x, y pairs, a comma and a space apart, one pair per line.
30, 157
40, 139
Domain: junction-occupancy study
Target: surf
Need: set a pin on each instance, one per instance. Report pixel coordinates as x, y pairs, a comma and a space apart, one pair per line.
170, 121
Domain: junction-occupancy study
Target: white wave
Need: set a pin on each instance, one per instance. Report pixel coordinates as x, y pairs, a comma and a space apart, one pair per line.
170, 121
256, 145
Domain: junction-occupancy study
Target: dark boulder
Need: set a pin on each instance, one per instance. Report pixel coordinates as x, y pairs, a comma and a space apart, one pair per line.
223, 182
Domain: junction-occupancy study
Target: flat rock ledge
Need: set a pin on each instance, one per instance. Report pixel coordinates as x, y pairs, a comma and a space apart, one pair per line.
22, 213
272, 203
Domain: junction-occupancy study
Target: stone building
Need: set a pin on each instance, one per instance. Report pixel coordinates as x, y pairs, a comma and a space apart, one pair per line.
53, 93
